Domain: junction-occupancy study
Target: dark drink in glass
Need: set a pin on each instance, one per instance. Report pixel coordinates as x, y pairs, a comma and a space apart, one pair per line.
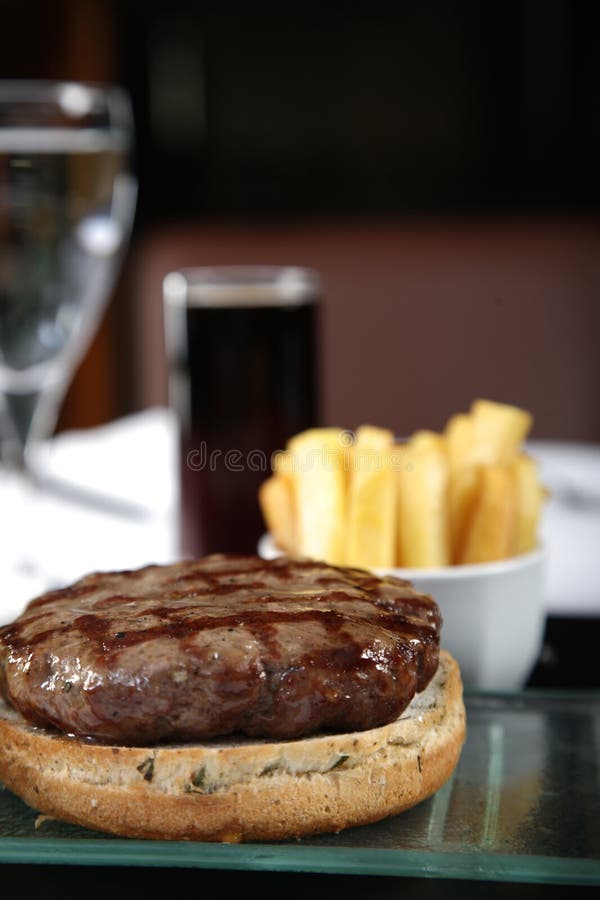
241, 345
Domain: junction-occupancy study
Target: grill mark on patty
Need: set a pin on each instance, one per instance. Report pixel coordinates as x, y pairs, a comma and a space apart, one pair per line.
96, 628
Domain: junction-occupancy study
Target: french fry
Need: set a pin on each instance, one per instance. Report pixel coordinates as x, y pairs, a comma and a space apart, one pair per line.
371, 515
313, 440
492, 529
423, 523
319, 482
490, 433
276, 501
373, 438
462, 478
426, 439
283, 463
530, 499
467, 495
499, 430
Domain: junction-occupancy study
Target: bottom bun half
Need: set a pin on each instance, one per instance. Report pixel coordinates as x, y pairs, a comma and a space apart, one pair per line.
246, 789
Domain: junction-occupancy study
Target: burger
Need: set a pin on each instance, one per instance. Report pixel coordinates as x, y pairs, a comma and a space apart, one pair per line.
228, 698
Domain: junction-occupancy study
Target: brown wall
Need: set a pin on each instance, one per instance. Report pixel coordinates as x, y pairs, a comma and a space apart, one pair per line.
418, 318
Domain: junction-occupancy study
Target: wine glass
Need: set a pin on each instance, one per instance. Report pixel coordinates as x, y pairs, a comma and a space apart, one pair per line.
67, 203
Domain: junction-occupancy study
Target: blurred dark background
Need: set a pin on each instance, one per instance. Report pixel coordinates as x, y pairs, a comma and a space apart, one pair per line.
438, 161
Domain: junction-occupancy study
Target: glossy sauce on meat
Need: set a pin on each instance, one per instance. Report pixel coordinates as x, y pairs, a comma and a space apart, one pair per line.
220, 645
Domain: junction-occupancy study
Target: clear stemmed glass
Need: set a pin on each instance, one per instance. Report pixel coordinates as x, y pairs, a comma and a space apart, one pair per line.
67, 203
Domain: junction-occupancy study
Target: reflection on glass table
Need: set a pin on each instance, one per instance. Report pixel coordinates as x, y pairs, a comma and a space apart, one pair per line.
522, 806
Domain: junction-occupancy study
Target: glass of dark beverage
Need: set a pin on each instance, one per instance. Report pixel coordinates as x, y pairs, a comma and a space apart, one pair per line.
242, 349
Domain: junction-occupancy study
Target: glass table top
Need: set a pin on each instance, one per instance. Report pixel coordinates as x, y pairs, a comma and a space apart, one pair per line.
523, 805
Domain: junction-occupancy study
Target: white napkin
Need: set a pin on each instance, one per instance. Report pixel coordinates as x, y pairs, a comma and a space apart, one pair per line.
571, 525
128, 468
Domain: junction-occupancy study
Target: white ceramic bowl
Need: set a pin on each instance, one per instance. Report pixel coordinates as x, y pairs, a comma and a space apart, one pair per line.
493, 614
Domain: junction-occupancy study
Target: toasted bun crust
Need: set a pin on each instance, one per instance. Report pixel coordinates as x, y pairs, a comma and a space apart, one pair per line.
246, 790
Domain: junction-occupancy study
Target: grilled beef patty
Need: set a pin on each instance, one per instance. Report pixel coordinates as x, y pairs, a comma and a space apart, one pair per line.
220, 645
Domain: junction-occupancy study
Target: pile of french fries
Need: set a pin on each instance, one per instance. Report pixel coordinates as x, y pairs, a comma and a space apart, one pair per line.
469, 494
